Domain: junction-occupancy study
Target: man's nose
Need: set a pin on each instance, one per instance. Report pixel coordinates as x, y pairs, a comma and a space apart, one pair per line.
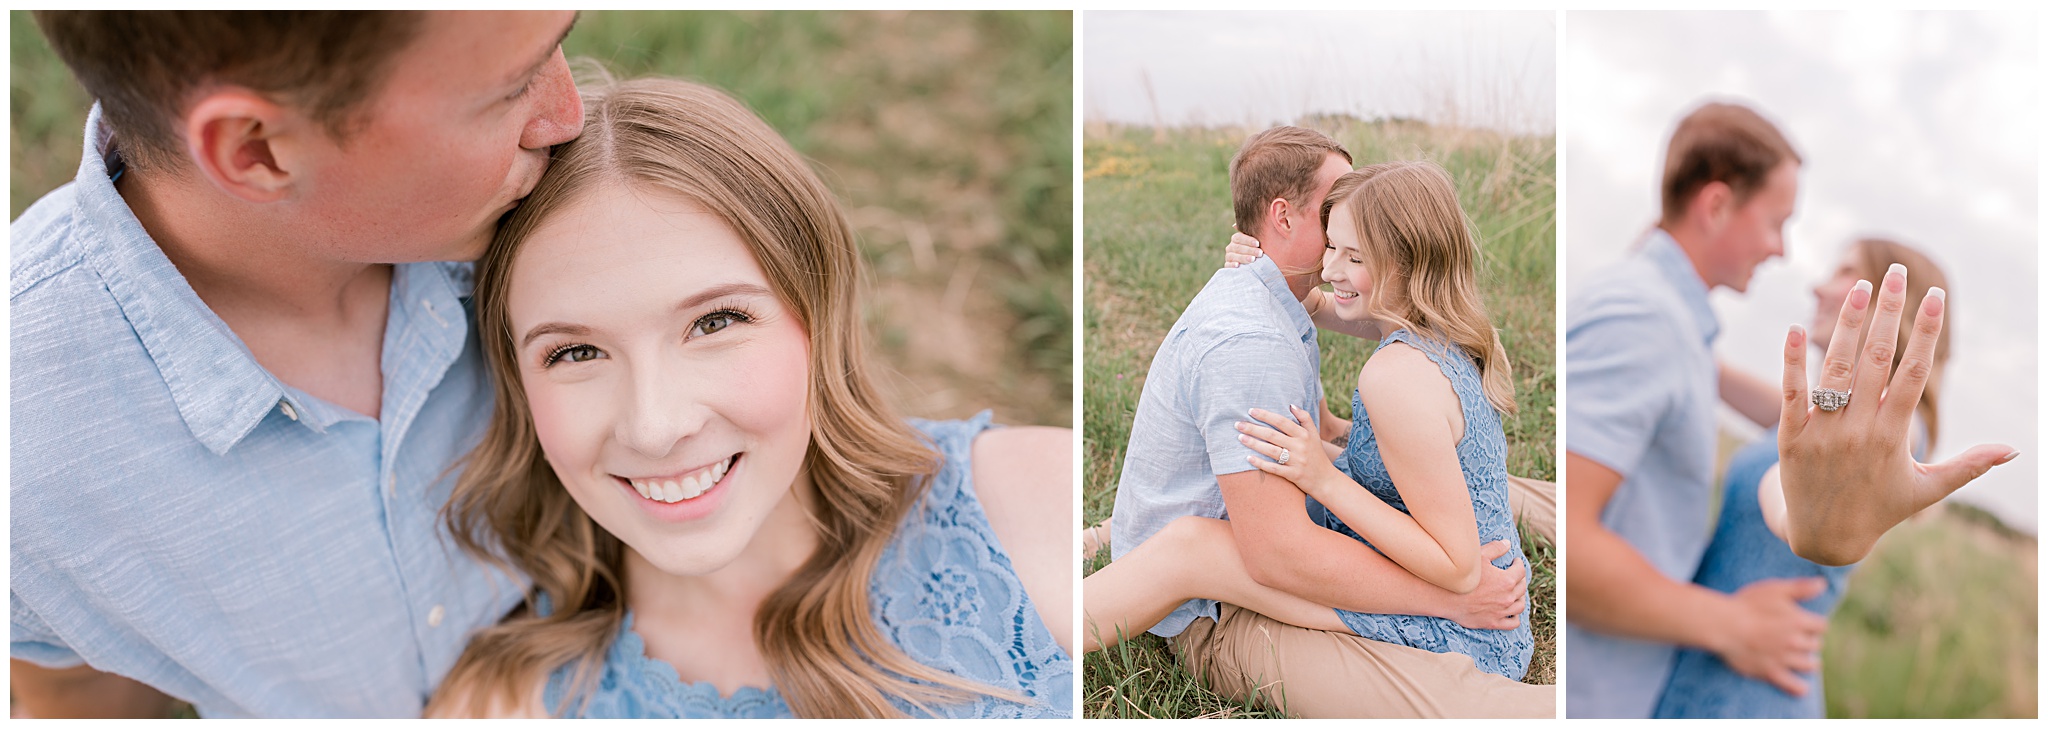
558, 114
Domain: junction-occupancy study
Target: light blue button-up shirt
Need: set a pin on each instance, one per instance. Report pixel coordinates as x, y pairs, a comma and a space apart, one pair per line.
1641, 391
183, 518
1243, 342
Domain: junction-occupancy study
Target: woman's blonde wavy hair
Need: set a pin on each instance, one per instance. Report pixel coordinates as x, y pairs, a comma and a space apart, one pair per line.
1423, 258
827, 657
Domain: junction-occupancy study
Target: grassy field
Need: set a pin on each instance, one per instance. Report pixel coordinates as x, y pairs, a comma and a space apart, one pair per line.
1157, 215
1939, 622
948, 136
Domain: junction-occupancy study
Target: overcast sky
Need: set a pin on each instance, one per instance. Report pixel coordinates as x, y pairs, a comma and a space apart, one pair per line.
1487, 69
1920, 127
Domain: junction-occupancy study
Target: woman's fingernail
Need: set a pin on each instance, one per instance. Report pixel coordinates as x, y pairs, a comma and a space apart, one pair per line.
1895, 278
2008, 458
1937, 300
1859, 296
1796, 337
1245, 439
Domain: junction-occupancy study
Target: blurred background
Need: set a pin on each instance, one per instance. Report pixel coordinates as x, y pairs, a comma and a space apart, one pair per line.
948, 137
1920, 127
1168, 99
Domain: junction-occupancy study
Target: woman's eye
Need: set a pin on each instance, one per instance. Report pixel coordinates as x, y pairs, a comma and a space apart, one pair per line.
715, 321
572, 353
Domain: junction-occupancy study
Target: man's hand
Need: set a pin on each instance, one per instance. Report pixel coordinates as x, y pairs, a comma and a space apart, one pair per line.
1849, 474
1766, 635
1502, 593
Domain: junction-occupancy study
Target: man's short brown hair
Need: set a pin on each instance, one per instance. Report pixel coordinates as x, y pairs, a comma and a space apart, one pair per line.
1719, 142
1277, 163
143, 66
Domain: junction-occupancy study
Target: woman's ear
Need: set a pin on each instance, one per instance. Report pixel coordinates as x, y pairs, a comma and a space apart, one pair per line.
229, 134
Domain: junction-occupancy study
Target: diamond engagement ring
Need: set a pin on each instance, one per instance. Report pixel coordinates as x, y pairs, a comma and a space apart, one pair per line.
1830, 400
1282, 460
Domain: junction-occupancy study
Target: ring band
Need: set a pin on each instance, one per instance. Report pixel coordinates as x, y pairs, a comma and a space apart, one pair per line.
1830, 400
1282, 460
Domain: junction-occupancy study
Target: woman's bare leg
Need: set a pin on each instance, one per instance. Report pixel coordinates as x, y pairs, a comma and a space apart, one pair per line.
1192, 557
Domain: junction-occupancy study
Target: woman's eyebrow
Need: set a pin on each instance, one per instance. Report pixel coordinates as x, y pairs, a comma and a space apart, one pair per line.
553, 327
720, 291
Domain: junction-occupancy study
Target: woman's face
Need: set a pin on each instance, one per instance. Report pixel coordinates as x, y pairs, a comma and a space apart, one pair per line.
1344, 266
667, 382
1831, 292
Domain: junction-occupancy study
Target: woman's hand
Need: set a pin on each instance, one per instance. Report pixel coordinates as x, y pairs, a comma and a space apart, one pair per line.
1242, 249
1307, 465
1849, 474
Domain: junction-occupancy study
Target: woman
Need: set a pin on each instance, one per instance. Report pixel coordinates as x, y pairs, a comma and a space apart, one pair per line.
720, 516
1427, 445
1749, 542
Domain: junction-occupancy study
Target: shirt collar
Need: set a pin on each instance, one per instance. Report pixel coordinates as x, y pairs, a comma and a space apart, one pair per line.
1269, 274
220, 390
1670, 259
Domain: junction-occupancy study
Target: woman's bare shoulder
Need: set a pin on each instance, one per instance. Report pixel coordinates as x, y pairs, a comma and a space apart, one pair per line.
1024, 477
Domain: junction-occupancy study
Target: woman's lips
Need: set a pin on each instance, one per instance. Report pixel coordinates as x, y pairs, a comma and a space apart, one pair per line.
682, 487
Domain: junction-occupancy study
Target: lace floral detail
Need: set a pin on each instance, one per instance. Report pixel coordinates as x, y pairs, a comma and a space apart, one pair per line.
1482, 455
944, 592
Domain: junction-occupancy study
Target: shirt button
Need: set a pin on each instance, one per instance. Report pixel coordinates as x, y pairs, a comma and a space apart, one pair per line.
435, 615
286, 408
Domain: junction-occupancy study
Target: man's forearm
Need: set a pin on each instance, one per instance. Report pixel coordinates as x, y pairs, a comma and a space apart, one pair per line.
1331, 569
1614, 590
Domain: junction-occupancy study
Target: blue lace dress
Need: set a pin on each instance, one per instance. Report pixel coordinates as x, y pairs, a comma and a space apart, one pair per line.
944, 592
1482, 455
1744, 550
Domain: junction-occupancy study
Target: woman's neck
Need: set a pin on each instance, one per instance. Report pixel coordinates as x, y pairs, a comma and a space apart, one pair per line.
703, 625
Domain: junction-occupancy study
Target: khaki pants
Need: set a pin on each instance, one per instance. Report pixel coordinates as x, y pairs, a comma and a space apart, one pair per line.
1314, 674
1535, 505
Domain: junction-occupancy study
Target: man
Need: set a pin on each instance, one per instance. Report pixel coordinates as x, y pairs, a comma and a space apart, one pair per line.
243, 372
1640, 446
1246, 341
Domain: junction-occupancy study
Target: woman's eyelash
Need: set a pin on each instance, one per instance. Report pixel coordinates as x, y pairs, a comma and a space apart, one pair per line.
556, 354
717, 321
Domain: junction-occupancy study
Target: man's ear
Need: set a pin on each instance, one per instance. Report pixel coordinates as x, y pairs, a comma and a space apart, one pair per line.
229, 134
1712, 206
1277, 218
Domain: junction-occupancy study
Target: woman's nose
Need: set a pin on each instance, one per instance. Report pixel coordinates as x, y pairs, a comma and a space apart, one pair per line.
660, 411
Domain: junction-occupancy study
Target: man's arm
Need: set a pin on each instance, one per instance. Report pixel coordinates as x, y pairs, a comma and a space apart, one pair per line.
1760, 631
80, 692
1283, 550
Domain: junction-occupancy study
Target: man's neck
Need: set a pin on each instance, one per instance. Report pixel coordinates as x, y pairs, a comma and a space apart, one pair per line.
1693, 244
316, 324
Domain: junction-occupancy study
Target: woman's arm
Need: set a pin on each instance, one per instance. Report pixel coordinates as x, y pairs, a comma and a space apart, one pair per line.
1754, 397
1417, 422
1024, 477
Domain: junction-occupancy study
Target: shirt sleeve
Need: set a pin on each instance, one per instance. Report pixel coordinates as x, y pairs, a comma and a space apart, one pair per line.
1240, 373
1620, 382
35, 642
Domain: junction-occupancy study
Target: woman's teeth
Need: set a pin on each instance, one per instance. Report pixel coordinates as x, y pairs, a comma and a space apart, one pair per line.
1346, 295
669, 491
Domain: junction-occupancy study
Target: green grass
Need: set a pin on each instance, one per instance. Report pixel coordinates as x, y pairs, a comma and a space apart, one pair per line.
1158, 212
1939, 622
948, 136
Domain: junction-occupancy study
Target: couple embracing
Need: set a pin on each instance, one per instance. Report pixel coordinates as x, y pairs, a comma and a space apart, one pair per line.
281, 449
1379, 578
